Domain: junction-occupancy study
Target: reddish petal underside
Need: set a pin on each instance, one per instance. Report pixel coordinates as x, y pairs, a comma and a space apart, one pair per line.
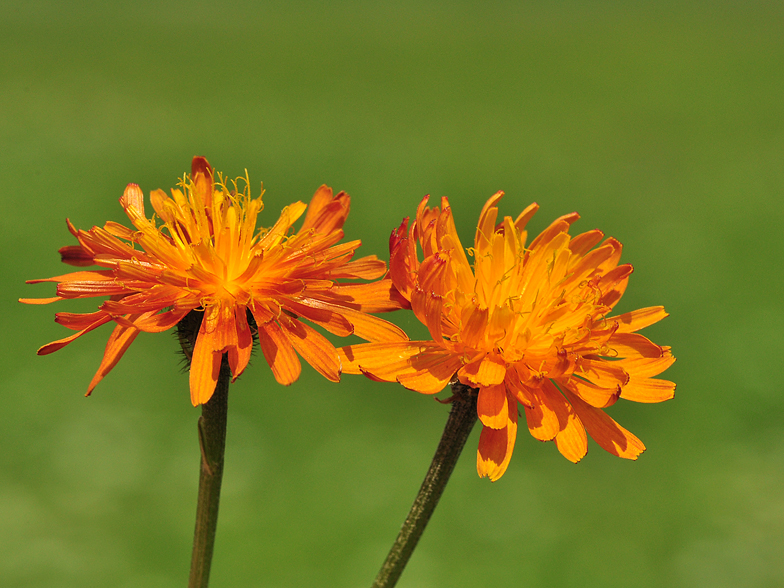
57, 345
119, 341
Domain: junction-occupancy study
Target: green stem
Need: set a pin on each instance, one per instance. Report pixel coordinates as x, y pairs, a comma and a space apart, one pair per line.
212, 440
461, 420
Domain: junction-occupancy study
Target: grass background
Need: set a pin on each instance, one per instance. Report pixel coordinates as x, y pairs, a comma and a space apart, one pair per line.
661, 123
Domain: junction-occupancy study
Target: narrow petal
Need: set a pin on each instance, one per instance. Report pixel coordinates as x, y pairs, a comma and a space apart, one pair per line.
572, 441
366, 268
490, 370
607, 374
638, 319
119, 341
647, 367
205, 366
492, 406
57, 345
239, 355
41, 300
548, 414
522, 219
581, 244
76, 321
82, 276
378, 296
591, 393
384, 358
313, 347
369, 327
648, 390
279, 353
133, 197
496, 447
610, 436
156, 323
423, 366
431, 372
634, 345
76, 255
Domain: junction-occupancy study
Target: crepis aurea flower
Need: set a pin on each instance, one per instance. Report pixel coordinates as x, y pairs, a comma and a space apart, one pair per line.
201, 251
527, 326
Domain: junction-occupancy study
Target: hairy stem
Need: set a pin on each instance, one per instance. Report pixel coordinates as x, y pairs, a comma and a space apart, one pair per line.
212, 441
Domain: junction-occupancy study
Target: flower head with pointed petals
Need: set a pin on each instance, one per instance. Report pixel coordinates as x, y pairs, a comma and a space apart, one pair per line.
205, 253
527, 325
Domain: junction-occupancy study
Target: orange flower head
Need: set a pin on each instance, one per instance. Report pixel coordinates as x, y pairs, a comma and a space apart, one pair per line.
527, 324
201, 251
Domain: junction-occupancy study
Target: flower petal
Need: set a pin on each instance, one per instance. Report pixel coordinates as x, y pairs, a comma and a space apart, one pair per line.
432, 372
205, 367
378, 296
638, 319
591, 393
492, 406
496, 446
572, 441
648, 390
647, 367
610, 436
57, 345
313, 347
634, 345
279, 352
607, 374
119, 341
549, 412
490, 370
239, 354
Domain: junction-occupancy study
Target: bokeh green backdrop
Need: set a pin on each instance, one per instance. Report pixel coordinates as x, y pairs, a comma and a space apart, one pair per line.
661, 123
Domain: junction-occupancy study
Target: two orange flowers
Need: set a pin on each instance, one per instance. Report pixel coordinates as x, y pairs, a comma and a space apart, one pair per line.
526, 324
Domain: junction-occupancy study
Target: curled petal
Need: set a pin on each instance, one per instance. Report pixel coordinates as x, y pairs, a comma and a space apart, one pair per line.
57, 345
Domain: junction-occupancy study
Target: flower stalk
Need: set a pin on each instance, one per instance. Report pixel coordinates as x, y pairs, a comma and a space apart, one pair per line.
461, 421
212, 441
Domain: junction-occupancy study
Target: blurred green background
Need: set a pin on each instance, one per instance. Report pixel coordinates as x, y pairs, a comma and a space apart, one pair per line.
661, 123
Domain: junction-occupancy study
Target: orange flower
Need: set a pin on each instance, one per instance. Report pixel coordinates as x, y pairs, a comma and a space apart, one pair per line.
207, 255
527, 325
